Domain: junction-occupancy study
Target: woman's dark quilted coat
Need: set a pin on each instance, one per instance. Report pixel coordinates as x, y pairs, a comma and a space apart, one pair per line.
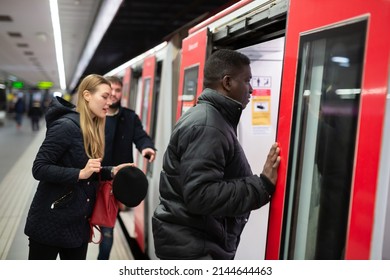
62, 204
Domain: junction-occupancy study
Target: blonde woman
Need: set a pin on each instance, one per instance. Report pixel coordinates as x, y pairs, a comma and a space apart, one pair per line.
67, 166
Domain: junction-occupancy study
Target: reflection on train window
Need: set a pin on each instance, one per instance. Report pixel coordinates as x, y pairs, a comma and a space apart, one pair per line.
323, 139
190, 88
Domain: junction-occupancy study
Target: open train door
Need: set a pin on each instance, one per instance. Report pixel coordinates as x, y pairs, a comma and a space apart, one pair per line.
148, 78
194, 54
331, 119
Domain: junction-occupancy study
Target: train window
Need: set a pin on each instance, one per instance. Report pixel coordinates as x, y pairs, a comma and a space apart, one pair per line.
327, 100
190, 88
154, 112
145, 103
144, 114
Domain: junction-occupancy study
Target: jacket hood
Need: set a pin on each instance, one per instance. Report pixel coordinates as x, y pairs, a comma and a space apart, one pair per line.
229, 108
58, 107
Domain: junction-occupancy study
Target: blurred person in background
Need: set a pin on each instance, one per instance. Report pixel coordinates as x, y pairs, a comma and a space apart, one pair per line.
68, 167
19, 109
123, 128
35, 113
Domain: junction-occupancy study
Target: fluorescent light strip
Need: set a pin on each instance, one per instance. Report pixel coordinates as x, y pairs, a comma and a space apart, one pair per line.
55, 19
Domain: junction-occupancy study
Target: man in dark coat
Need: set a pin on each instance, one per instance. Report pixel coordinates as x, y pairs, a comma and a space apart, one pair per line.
207, 188
123, 128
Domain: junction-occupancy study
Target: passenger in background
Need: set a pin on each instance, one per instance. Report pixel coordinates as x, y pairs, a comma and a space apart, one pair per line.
19, 109
67, 166
35, 113
123, 128
207, 188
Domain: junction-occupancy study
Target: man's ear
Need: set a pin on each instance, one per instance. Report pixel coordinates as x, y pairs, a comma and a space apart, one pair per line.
227, 82
87, 95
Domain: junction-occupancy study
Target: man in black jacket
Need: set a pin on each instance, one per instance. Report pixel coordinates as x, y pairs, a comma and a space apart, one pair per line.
207, 188
123, 128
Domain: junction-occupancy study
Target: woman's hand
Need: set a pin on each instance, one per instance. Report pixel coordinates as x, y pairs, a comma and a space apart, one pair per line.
93, 165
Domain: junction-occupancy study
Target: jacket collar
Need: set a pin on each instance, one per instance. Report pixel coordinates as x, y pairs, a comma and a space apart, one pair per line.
228, 107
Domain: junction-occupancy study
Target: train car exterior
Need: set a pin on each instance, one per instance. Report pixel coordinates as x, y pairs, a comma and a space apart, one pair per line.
331, 128
320, 79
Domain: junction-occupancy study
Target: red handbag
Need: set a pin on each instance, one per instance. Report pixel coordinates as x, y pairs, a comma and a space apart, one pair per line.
105, 210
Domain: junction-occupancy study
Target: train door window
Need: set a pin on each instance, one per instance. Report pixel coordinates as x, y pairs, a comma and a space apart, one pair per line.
190, 87
138, 98
144, 114
145, 102
136, 81
327, 100
153, 123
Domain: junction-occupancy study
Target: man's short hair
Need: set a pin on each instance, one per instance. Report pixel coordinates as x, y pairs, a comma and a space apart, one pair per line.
221, 63
114, 80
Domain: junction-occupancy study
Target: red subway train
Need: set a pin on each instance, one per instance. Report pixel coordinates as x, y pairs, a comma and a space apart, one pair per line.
320, 74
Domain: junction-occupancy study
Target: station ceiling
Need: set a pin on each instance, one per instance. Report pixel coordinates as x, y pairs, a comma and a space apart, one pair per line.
27, 49
140, 25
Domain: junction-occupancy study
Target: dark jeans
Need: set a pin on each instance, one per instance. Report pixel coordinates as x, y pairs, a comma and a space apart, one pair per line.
106, 244
35, 123
39, 251
18, 118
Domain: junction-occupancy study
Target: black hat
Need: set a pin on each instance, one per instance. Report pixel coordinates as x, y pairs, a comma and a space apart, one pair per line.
130, 186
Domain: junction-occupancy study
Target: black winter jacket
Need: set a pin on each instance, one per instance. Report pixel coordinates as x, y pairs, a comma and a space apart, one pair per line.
128, 130
62, 205
206, 186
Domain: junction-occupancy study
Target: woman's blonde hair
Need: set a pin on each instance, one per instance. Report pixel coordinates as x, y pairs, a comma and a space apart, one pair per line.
91, 128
